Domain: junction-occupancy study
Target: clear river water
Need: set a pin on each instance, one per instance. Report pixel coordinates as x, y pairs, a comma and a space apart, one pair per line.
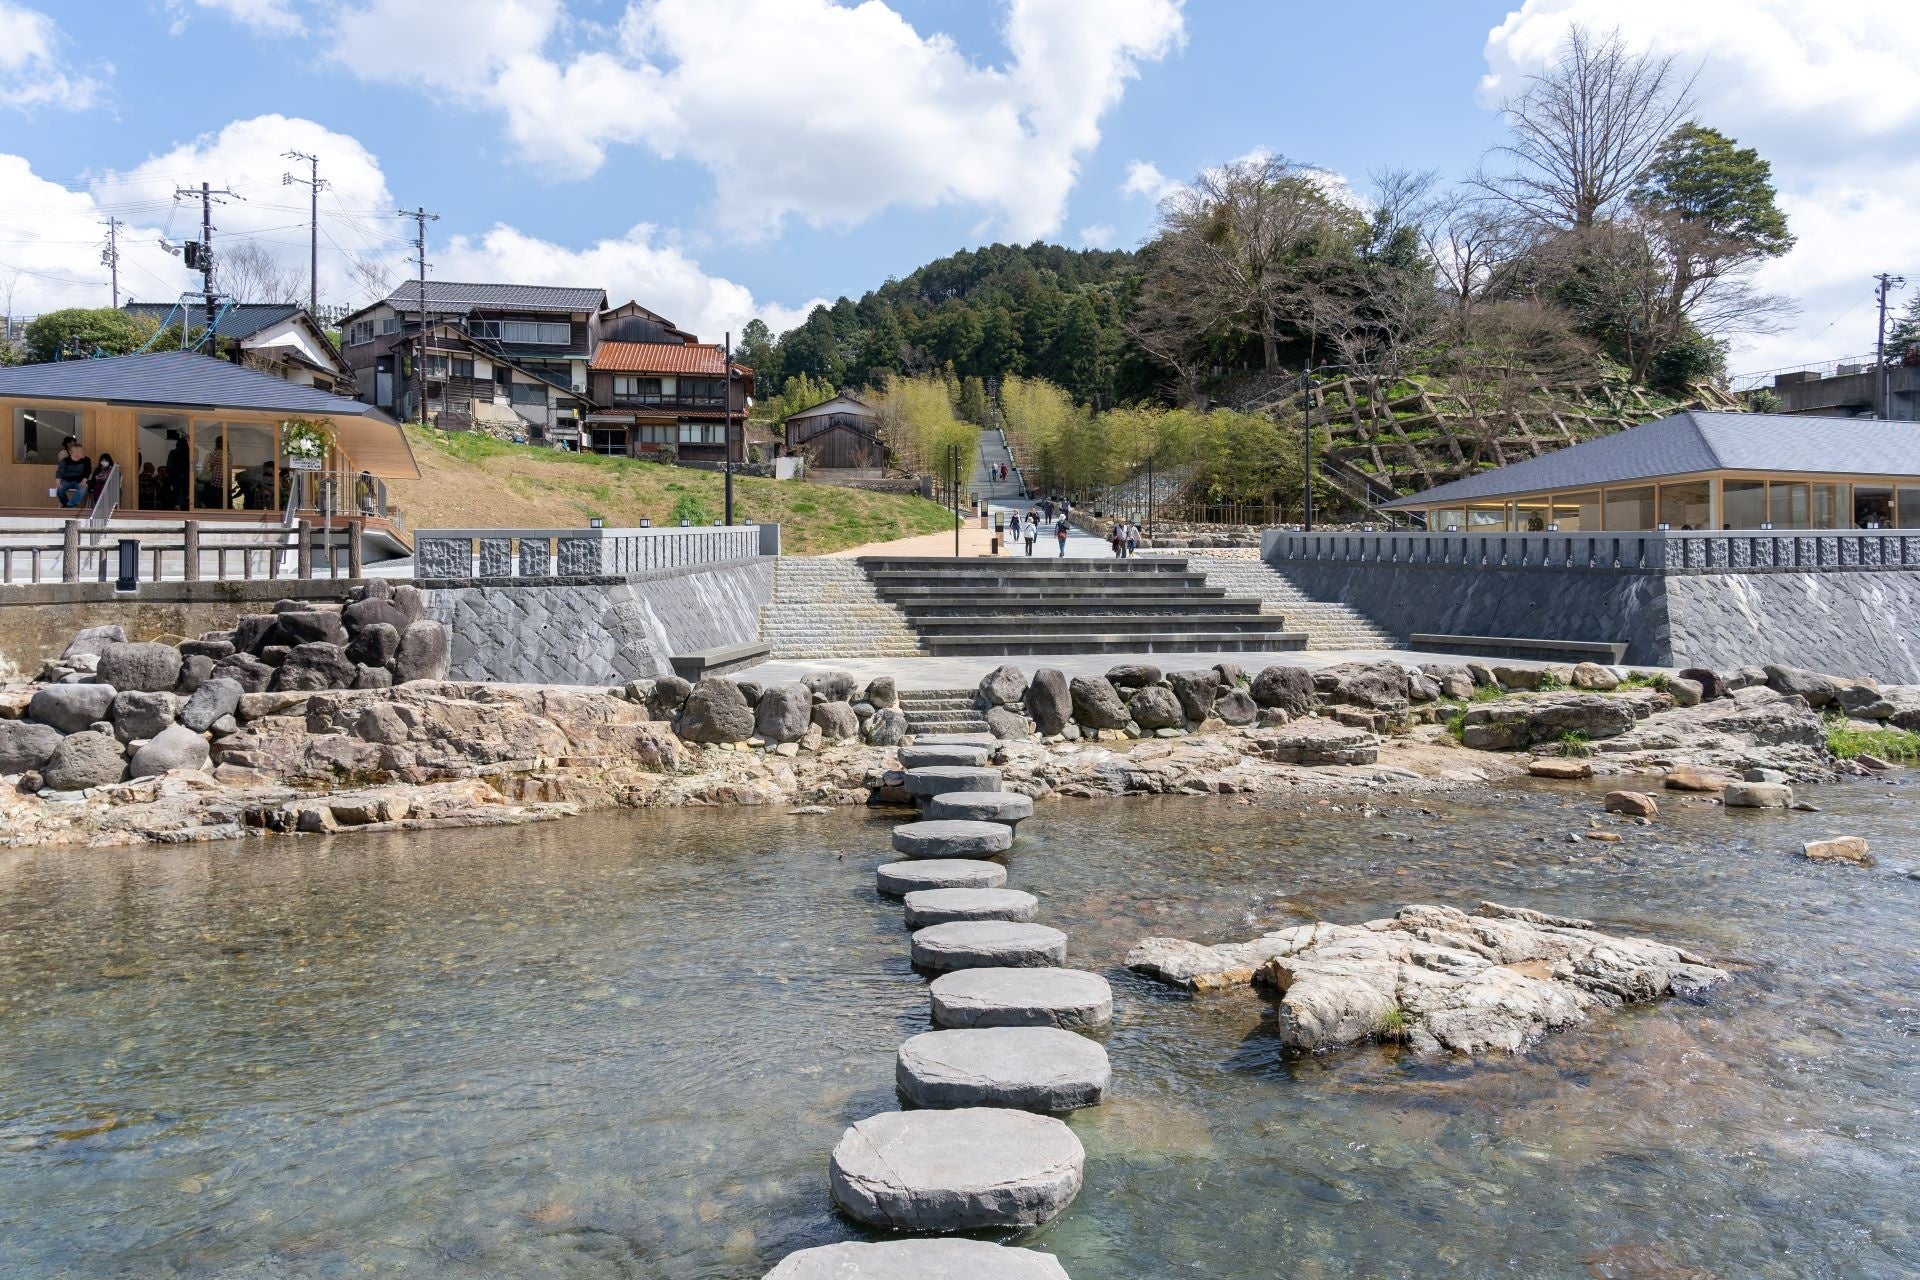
623, 1045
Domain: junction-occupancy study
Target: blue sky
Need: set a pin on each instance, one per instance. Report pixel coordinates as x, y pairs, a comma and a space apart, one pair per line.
721, 158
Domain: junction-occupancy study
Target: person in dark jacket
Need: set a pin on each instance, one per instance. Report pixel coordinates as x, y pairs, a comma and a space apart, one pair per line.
102, 469
71, 473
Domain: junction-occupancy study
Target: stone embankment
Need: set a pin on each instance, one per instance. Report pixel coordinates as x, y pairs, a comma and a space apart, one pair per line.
1436, 978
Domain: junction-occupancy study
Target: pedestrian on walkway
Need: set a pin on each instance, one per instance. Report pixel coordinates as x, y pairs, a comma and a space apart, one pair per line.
1117, 539
1060, 536
1031, 530
1133, 538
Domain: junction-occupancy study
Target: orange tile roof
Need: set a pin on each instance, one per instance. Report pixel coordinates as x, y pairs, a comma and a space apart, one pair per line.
659, 357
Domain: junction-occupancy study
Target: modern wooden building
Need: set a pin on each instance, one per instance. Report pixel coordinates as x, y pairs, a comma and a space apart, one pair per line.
1701, 471
839, 433
189, 433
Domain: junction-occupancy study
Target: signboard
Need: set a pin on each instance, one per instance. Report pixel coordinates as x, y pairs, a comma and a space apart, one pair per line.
304, 464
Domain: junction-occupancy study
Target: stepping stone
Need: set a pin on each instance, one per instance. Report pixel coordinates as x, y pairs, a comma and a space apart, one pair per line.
901, 878
955, 740
939, 779
1070, 998
1009, 807
1029, 1068
951, 839
920, 756
943, 906
986, 944
918, 1260
963, 1170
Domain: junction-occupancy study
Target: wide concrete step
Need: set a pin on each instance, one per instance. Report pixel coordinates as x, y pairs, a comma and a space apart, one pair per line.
915, 588
984, 607
931, 629
988, 645
1013, 565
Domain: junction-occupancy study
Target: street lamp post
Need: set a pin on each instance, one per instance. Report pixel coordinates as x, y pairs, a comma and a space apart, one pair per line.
726, 358
1306, 425
953, 493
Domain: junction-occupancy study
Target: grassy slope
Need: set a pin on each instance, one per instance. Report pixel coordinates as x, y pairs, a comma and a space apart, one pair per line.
472, 481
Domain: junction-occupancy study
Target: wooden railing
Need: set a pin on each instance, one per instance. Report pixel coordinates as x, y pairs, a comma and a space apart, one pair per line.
459, 554
1689, 552
190, 551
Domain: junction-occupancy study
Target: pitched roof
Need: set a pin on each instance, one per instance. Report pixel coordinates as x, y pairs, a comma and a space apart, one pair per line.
1694, 441
659, 357
239, 322
845, 402
184, 378
453, 295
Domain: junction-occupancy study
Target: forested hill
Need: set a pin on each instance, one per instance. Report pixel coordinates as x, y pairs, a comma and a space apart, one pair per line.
1042, 310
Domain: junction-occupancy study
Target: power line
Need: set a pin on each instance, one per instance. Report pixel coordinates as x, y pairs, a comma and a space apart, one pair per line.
313, 182
110, 257
420, 217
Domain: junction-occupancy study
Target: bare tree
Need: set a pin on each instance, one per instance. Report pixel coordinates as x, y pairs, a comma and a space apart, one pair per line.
1586, 129
249, 273
372, 278
1475, 246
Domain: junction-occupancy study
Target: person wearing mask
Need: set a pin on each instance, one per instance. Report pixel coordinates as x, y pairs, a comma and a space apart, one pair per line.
97, 482
71, 473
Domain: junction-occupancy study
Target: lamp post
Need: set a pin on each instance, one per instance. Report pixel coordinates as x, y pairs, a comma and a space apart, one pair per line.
953, 493
1306, 425
726, 359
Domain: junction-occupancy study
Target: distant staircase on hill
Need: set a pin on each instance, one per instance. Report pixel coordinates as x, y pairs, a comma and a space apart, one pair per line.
986, 483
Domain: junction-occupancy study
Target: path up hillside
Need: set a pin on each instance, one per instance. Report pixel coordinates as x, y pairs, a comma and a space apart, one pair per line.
986, 484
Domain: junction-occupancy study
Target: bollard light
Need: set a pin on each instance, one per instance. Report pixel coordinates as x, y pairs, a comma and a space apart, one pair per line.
129, 579
1553, 528
596, 522
1453, 528
686, 524
1664, 528
1766, 524
645, 523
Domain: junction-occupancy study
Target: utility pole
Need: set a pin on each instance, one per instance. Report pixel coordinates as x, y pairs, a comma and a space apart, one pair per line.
1306, 426
420, 218
110, 257
200, 257
726, 357
1883, 379
313, 183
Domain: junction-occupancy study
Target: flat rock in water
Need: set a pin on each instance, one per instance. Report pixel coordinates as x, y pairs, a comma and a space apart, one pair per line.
1027, 1068
961, 1170
977, 944
923, 784
942, 906
918, 1260
1070, 998
1009, 807
922, 756
901, 878
951, 839
953, 740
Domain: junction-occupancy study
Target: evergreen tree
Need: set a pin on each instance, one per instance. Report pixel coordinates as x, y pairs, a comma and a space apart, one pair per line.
1904, 331
81, 331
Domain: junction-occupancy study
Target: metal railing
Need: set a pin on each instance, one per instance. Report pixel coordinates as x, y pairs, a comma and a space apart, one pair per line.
1686, 552
109, 499
449, 554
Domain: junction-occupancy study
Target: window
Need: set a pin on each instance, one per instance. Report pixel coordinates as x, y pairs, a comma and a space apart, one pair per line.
518, 332
462, 368
1686, 506
37, 433
1788, 505
1743, 503
527, 393
359, 333
1629, 509
1830, 509
389, 325
1445, 518
1486, 519
1531, 515
1577, 512
1873, 504
702, 433
437, 365
642, 389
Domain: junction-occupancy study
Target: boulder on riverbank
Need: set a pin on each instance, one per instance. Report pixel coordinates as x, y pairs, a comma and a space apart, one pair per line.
1437, 978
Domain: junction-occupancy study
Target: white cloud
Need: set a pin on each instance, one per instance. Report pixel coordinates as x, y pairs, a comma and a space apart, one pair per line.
797, 108
1827, 92
32, 70
1145, 180
1101, 235
270, 17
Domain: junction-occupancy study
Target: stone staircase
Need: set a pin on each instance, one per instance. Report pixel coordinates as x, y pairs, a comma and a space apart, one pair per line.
941, 711
1328, 624
996, 607
828, 609
993, 452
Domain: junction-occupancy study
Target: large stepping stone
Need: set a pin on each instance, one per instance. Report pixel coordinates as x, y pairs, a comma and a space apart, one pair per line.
938, 779
918, 1260
1009, 807
962, 1170
1031, 1068
902, 878
943, 906
920, 756
951, 839
955, 740
985, 944
1070, 998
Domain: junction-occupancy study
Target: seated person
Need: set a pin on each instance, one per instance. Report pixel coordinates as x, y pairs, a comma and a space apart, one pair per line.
71, 473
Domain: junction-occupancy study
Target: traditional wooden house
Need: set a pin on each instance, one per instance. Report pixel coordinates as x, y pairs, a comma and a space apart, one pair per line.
839, 433
658, 392
279, 338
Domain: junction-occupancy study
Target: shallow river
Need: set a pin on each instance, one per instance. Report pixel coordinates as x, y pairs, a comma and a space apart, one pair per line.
623, 1045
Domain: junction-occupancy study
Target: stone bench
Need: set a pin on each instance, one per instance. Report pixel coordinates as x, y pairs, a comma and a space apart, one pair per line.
1606, 652
697, 664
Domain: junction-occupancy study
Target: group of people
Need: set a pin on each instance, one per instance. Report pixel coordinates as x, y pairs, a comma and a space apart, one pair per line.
1124, 538
1027, 527
78, 479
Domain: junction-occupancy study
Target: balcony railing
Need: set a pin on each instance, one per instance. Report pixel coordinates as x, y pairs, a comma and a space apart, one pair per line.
1687, 552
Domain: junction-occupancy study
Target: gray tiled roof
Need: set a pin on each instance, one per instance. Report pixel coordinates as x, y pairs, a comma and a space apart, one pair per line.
239, 323
1699, 441
172, 378
452, 295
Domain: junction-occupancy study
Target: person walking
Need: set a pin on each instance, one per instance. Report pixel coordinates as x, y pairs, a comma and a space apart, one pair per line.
1030, 531
1116, 538
1060, 536
71, 473
1133, 538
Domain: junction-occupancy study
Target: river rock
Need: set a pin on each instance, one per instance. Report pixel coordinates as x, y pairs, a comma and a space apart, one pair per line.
1455, 681
1028, 1068
977, 944
1004, 686
375, 644
1634, 804
1512, 724
969, 1169
1684, 692
70, 708
245, 670
901, 878
716, 711
1686, 777
881, 693
888, 728
1133, 675
423, 653
1195, 691
25, 745
146, 666
1314, 742
836, 721
1095, 704
1563, 769
931, 780
965, 755
371, 678
951, 839
176, 747
195, 670
1594, 677
311, 626
1378, 686
1816, 688
783, 712
1069, 998
375, 611
1050, 701
1006, 723
918, 1259
831, 686
1155, 707
943, 906
1288, 688
667, 696
140, 715
93, 641
1009, 807
1236, 707
253, 632
86, 759
1757, 795
1711, 683
311, 667
1851, 849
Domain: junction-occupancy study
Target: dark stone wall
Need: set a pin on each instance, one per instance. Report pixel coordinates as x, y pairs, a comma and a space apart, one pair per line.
1854, 624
